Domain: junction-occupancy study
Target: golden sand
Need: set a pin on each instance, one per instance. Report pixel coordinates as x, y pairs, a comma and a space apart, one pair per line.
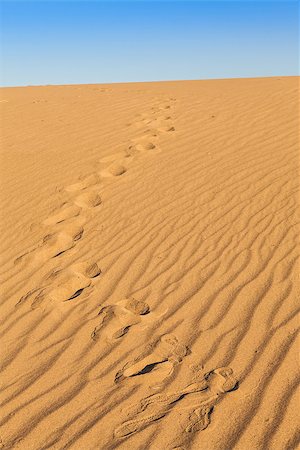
149, 280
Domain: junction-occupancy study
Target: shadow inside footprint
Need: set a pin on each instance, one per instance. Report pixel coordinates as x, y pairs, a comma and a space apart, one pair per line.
147, 369
76, 294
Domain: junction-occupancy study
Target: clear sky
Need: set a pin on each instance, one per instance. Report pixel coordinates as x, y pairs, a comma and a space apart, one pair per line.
66, 42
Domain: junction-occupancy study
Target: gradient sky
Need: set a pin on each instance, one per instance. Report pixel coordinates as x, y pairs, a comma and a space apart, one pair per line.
66, 42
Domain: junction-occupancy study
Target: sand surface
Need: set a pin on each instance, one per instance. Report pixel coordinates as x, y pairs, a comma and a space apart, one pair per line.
149, 293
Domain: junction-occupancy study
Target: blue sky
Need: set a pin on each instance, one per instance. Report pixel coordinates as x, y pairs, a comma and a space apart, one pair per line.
66, 42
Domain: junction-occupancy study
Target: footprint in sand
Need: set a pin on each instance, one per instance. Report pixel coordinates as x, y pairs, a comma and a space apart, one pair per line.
72, 227
168, 129
88, 200
114, 170
160, 108
159, 121
116, 320
154, 132
52, 246
159, 360
67, 211
71, 286
148, 133
73, 281
63, 285
86, 182
194, 402
142, 146
55, 244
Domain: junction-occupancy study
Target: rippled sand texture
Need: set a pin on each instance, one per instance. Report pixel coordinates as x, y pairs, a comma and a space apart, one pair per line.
149, 292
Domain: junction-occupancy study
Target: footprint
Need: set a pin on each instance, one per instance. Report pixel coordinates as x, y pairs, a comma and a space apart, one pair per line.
63, 285
73, 227
157, 122
70, 286
118, 318
205, 395
160, 358
136, 306
36, 293
88, 200
157, 406
106, 314
222, 379
167, 129
162, 107
67, 211
148, 133
114, 170
24, 257
88, 269
88, 181
199, 419
55, 244
142, 147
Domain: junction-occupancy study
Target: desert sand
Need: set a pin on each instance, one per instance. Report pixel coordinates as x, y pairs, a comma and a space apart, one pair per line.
149, 266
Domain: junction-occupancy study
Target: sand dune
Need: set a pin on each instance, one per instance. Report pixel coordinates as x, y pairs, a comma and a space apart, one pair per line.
149, 266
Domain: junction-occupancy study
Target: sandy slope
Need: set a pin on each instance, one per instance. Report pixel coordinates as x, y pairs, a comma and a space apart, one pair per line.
149, 289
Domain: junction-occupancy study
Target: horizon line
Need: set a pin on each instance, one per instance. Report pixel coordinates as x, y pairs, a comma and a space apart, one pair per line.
151, 81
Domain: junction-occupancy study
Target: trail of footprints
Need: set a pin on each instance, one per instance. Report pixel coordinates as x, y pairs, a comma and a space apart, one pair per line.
65, 227
159, 358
